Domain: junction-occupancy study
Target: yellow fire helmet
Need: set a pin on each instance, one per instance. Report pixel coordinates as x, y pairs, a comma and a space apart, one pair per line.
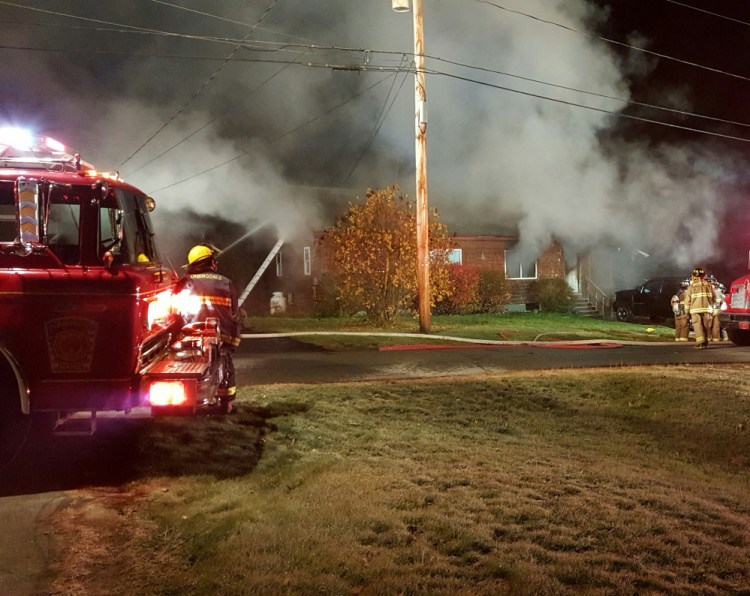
201, 251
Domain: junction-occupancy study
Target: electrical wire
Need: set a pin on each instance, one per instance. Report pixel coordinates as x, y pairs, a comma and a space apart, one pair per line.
153, 159
427, 56
435, 72
592, 108
226, 20
286, 134
614, 41
163, 153
713, 14
256, 45
592, 93
379, 121
199, 90
332, 66
274, 46
354, 68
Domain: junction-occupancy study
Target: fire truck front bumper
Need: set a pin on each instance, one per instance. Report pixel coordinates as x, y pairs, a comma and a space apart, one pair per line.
174, 387
739, 321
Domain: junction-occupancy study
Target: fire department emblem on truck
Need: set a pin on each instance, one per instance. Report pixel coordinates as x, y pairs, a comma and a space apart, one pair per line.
70, 342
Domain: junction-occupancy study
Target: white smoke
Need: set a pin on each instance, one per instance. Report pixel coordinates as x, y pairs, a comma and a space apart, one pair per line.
278, 133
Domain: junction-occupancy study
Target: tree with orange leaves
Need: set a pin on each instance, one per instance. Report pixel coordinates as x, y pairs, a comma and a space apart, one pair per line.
372, 252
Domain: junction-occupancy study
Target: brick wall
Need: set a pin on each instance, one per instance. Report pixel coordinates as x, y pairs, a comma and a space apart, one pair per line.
488, 252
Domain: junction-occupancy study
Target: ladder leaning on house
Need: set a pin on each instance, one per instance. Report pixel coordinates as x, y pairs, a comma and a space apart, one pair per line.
261, 270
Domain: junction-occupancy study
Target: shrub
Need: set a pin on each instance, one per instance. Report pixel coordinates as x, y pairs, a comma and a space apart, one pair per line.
463, 297
553, 295
493, 291
326, 300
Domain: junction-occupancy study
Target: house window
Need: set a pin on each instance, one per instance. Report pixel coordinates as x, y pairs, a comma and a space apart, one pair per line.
279, 268
455, 256
307, 260
517, 267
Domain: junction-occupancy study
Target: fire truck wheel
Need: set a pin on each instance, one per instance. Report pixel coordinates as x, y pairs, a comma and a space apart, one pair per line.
14, 428
739, 337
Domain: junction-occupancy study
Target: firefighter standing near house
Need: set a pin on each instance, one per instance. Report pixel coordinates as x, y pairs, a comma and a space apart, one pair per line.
681, 322
212, 295
699, 300
716, 333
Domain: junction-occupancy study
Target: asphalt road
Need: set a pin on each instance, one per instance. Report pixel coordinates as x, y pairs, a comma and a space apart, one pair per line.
286, 360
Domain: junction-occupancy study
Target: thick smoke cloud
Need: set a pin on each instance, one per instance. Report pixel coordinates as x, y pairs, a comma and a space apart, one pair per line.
285, 145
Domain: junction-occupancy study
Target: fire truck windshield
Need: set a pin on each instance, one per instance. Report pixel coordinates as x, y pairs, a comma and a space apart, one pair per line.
125, 228
79, 227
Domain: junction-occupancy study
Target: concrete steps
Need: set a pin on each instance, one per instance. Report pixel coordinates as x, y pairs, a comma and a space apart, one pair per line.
583, 307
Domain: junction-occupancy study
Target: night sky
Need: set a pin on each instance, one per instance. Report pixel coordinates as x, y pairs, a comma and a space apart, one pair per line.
282, 133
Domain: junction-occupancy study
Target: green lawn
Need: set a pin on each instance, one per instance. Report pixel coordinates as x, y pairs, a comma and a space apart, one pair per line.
611, 481
509, 327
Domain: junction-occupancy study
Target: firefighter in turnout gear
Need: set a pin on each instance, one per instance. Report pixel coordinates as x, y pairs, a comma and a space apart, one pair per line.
715, 332
699, 300
212, 295
681, 322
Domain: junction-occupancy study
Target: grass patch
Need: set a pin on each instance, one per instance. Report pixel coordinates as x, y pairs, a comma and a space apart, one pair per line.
508, 327
605, 481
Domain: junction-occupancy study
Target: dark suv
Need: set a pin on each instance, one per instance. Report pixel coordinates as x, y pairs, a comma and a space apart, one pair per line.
652, 300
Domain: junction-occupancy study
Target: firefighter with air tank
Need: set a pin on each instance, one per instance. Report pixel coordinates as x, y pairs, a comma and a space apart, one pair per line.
681, 321
715, 332
700, 299
204, 293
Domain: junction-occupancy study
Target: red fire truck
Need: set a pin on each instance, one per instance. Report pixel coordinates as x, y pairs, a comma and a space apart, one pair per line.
735, 311
85, 318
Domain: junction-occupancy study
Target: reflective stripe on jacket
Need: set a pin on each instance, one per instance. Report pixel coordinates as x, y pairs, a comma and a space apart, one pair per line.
678, 303
216, 298
699, 297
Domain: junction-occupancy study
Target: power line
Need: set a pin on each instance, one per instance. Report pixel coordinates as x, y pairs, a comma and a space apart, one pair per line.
713, 14
226, 20
379, 121
286, 134
614, 41
592, 108
276, 46
256, 45
372, 68
264, 82
537, 96
199, 90
386, 69
592, 93
357, 67
190, 136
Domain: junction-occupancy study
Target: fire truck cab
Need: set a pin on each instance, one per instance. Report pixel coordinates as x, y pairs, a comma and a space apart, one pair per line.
735, 311
81, 282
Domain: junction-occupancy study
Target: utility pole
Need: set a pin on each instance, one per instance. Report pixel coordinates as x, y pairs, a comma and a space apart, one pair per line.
420, 117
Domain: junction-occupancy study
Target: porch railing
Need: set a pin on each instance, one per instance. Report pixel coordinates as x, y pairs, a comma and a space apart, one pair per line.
597, 297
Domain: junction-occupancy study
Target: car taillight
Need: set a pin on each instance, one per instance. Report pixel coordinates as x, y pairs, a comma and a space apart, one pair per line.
167, 393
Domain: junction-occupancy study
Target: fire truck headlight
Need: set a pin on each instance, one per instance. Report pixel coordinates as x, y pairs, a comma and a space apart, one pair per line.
167, 393
160, 308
